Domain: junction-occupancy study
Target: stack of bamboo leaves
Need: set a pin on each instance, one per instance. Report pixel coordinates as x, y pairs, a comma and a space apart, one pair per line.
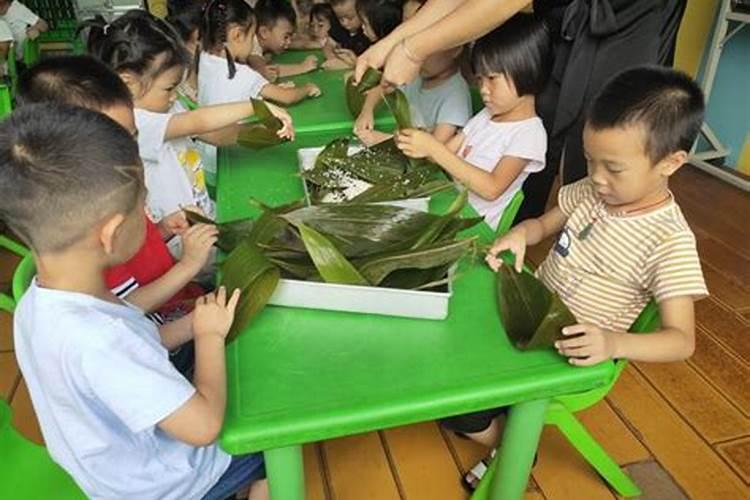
357, 244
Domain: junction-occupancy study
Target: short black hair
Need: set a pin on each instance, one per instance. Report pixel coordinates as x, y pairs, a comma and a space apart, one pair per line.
63, 169
382, 15
269, 12
186, 20
667, 103
80, 80
135, 42
520, 49
323, 10
218, 17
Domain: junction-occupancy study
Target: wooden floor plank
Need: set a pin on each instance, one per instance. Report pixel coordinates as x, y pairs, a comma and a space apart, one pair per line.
612, 434
723, 258
725, 290
691, 461
727, 373
425, 466
9, 375
6, 332
737, 454
699, 403
359, 468
8, 263
562, 474
24, 418
725, 326
314, 476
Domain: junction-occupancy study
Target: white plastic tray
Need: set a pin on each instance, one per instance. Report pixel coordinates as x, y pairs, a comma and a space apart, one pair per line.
363, 299
307, 156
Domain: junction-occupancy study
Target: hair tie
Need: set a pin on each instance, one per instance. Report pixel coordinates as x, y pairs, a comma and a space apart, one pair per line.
105, 29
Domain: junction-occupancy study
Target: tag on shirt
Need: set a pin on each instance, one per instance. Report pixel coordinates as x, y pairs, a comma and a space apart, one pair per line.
562, 246
174, 244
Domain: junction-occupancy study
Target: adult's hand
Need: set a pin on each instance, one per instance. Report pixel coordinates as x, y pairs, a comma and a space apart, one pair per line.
401, 67
374, 57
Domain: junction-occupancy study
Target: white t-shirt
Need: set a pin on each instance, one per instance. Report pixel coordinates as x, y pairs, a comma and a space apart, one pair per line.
19, 18
100, 381
6, 35
487, 142
215, 86
448, 103
173, 169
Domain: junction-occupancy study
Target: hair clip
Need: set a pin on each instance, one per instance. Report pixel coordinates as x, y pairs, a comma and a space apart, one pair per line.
105, 29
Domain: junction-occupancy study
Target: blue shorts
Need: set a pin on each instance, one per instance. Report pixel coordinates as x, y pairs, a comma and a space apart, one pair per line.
243, 470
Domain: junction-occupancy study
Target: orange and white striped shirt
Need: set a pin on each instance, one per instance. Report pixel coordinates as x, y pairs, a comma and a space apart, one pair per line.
606, 277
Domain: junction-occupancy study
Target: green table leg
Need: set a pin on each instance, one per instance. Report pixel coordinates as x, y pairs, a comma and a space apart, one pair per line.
286, 475
516, 452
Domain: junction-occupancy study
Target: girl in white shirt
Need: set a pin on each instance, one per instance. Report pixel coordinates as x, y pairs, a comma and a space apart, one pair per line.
506, 141
227, 35
150, 58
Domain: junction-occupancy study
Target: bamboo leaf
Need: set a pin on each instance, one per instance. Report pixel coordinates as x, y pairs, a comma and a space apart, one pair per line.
230, 233
399, 106
378, 267
253, 299
263, 132
331, 264
435, 229
532, 316
355, 94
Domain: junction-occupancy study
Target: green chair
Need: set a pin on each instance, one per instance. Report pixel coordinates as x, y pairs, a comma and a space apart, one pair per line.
8, 302
22, 276
28, 472
6, 103
189, 104
31, 52
560, 413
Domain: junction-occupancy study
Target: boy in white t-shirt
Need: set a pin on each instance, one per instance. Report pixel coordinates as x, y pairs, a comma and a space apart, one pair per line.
506, 141
6, 38
114, 412
23, 23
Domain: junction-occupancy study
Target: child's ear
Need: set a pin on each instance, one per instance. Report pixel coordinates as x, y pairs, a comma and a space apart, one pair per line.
672, 162
237, 34
133, 83
109, 232
263, 32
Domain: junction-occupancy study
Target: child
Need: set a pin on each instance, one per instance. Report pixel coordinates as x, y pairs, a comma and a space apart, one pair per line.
6, 39
226, 37
622, 238
353, 42
506, 141
72, 189
152, 67
151, 280
379, 17
439, 98
186, 22
22, 22
276, 25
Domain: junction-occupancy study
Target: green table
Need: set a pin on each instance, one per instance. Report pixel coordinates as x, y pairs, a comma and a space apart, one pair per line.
327, 113
297, 376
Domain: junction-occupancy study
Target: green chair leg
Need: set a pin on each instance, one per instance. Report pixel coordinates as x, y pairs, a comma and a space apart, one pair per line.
285, 471
7, 303
594, 454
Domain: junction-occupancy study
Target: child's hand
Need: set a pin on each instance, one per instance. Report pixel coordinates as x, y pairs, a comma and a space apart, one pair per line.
32, 33
272, 72
196, 245
346, 55
365, 122
312, 90
175, 223
287, 131
515, 241
591, 345
213, 315
367, 137
310, 63
416, 143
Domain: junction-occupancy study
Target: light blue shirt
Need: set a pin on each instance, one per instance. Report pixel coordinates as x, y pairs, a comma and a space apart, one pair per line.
449, 102
100, 381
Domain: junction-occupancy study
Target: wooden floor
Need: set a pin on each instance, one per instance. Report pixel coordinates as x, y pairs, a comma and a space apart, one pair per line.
682, 429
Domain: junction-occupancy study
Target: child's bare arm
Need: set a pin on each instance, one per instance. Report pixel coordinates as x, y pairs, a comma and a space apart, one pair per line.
454, 144
207, 119
488, 185
309, 64
674, 342
175, 333
198, 422
197, 242
444, 132
366, 119
291, 95
226, 136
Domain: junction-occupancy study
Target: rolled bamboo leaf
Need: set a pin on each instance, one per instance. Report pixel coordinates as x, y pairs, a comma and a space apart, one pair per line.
399, 106
248, 270
263, 132
331, 264
533, 316
378, 267
355, 94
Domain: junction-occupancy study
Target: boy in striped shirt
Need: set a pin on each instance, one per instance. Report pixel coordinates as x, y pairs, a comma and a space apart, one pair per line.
622, 238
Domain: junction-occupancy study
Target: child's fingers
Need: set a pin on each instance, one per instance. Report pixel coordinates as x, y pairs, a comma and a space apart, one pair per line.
221, 296
575, 330
233, 300
572, 344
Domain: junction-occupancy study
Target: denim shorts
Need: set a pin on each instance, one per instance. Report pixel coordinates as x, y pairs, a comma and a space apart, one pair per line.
243, 470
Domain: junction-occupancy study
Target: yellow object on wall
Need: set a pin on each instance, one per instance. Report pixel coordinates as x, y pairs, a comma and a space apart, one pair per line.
158, 8
692, 39
743, 164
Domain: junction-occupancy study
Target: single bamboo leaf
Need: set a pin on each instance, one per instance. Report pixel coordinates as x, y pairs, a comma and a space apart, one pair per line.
399, 106
435, 229
378, 267
230, 233
416, 279
331, 264
253, 299
532, 316
355, 94
263, 132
